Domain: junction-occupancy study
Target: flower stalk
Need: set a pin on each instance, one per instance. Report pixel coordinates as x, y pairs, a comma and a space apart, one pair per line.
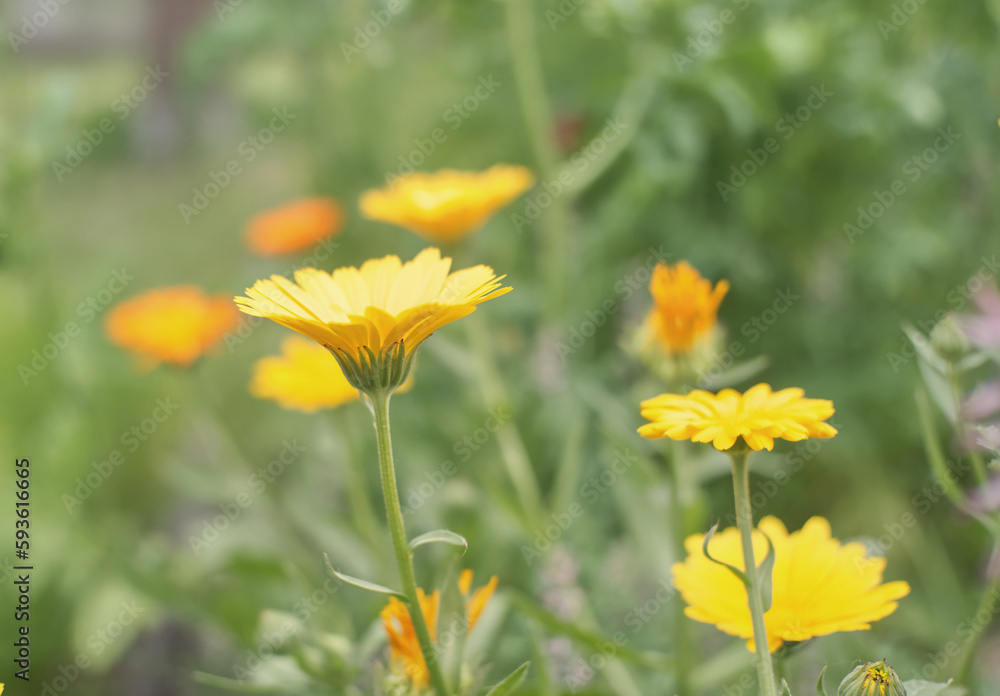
404, 557
744, 521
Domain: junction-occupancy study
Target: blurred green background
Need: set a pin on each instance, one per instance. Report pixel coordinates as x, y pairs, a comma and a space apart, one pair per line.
698, 89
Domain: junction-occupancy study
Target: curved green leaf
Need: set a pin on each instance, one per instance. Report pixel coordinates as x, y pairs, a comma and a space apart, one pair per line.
363, 584
820, 687
440, 536
765, 571
511, 682
733, 569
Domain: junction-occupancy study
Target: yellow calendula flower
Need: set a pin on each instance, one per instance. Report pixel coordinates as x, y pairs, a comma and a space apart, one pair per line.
685, 306
758, 416
403, 642
386, 307
445, 206
294, 226
305, 377
819, 586
175, 325
476, 602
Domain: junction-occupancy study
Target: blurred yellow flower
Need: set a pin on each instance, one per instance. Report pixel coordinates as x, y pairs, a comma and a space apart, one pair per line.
304, 377
294, 227
685, 306
476, 603
819, 586
403, 642
446, 205
382, 303
758, 416
175, 325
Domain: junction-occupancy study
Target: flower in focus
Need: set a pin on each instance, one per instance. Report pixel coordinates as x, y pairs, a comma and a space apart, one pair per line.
758, 416
475, 603
294, 226
819, 586
403, 642
304, 377
175, 325
872, 679
446, 205
386, 307
685, 306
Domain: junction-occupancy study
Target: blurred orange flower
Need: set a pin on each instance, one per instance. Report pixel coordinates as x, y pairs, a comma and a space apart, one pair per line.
446, 205
175, 325
305, 377
684, 305
475, 604
403, 642
294, 226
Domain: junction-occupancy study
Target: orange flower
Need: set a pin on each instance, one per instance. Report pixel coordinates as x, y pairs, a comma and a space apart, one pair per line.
176, 325
403, 642
294, 226
446, 205
475, 604
685, 305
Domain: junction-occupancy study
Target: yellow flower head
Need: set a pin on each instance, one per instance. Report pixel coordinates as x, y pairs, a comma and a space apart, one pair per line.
819, 586
403, 642
685, 306
294, 226
304, 377
476, 603
445, 206
872, 679
758, 416
383, 303
175, 325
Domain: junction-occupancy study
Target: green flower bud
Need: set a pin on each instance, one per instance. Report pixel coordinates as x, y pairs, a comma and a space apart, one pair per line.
872, 679
948, 340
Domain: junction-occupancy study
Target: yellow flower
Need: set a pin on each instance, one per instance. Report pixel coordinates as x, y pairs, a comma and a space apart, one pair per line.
382, 304
685, 306
304, 377
294, 226
403, 642
445, 206
475, 604
758, 416
819, 586
175, 325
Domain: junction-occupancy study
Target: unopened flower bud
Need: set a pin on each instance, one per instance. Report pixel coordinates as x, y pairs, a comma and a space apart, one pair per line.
872, 679
948, 339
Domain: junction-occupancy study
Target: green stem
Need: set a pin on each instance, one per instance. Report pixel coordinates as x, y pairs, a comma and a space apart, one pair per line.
404, 557
986, 599
744, 520
978, 466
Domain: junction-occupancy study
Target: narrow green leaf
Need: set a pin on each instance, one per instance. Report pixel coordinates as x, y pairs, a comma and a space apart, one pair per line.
443, 536
511, 682
764, 572
820, 687
363, 584
733, 569
785, 690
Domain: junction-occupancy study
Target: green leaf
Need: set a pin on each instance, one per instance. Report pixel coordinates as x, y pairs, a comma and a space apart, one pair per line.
733, 569
363, 584
511, 682
919, 687
765, 571
443, 536
785, 690
820, 687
